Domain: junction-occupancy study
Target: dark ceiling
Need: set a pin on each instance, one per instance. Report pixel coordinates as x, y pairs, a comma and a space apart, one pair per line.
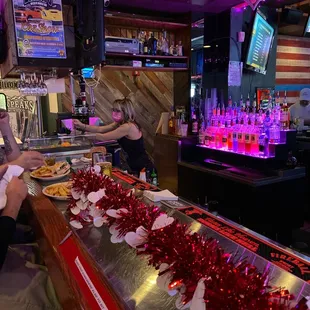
180, 6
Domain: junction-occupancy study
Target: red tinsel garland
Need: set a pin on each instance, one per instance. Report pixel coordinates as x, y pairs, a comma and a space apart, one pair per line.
230, 284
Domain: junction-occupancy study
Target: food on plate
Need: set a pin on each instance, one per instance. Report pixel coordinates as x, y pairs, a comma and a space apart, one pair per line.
88, 155
59, 168
59, 190
65, 144
45, 171
50, 161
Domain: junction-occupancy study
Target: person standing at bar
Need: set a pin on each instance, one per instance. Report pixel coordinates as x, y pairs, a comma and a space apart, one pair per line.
301, 110
126, 131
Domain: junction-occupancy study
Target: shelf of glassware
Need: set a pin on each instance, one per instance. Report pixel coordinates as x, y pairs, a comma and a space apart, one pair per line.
238, 153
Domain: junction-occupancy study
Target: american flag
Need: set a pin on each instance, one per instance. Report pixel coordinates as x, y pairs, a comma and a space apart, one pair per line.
293, 66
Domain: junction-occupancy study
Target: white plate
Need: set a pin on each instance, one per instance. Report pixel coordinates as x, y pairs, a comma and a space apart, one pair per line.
54, 178
63, 198
86, 160
75, 161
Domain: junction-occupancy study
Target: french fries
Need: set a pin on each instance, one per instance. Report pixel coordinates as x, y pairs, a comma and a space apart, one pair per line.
45, 171
58, 168
59, 190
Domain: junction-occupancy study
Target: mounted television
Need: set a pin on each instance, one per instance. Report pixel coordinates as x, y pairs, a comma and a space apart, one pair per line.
307, 29
260, 45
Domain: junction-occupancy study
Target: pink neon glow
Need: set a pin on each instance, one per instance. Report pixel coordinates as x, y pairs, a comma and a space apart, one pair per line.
229, 151
68, 123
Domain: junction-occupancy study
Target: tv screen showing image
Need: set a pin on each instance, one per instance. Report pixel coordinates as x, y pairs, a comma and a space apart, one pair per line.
260, 45
307, 29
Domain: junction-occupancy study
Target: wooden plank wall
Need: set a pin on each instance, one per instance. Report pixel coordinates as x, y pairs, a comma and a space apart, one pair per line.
153, 93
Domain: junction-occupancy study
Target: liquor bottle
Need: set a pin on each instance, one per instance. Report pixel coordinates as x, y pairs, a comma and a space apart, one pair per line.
254, 105
152, 45
248, 105
223, 110
241, 138
194, 124
145, 45
154, 178
180, 49
274, 132
241, 104
201, 136
171, 49
208, 136
230, 137
159, 44
267, 123
218, 136
165, 44
141, 42
235, 136
225, 137
218, 111
171, 124
277, 108
263, 145
247, 138
285, 116
229, 110
254, 139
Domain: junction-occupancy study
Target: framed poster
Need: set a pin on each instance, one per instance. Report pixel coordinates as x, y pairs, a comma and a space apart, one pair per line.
22, 110
39, 29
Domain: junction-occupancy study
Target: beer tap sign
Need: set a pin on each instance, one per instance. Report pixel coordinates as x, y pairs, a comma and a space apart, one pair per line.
253, 3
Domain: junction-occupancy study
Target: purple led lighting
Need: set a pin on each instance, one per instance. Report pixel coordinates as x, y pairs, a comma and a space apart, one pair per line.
232, 152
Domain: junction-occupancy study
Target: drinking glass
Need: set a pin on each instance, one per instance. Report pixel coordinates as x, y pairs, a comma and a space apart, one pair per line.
104, 161
184, 129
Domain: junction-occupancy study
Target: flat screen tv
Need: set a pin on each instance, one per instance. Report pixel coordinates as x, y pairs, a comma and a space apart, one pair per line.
260, 45
307, 29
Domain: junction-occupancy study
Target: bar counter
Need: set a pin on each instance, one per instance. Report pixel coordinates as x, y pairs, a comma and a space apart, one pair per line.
126, 277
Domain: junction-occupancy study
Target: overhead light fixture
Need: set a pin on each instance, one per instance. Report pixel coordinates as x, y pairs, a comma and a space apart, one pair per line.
192, 49
206, 46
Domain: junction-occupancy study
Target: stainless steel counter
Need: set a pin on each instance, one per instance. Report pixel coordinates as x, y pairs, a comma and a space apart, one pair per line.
135, 282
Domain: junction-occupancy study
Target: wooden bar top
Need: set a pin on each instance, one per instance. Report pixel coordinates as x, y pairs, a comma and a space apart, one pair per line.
51, 228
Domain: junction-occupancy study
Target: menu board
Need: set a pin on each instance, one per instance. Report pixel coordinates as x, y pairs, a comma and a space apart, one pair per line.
39, 29
260, 45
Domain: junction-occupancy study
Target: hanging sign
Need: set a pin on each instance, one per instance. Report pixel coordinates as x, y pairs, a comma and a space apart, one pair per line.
39, 29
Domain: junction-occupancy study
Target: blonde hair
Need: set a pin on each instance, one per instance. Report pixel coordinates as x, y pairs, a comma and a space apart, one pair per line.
127, 107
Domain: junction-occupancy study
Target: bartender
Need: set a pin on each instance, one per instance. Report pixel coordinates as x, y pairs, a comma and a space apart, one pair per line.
126, 131
300, 111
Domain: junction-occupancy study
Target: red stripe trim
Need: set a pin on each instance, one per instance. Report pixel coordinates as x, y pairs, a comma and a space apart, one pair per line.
292, 69
293, 43
292, 94
292, 81
293, 56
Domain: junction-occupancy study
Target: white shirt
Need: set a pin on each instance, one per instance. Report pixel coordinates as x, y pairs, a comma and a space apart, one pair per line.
299, 111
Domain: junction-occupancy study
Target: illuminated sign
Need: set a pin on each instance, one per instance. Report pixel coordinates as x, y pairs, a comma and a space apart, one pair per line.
39, 29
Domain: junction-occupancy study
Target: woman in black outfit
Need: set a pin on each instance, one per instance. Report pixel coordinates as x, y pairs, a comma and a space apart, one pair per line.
126, 131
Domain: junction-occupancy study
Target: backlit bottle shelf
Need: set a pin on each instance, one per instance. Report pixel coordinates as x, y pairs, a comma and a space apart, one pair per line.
236, 153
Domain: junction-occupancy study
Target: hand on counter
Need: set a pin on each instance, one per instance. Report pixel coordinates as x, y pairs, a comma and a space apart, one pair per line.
30, 160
